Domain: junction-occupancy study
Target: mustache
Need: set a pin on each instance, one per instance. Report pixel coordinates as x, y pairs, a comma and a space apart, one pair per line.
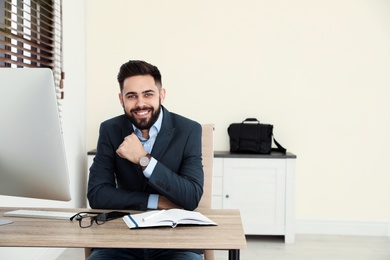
141, 108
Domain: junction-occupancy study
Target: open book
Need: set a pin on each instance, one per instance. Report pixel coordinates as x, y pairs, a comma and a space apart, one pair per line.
171, 217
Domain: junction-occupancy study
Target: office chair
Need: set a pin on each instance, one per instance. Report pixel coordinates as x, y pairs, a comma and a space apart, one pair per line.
207, 161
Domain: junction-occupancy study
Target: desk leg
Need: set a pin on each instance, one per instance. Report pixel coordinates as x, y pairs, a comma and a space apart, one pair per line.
234, 254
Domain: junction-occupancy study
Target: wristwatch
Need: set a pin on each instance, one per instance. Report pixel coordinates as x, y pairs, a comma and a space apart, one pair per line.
144, 161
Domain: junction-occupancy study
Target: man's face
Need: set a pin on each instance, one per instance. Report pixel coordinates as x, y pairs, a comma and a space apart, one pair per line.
141, 100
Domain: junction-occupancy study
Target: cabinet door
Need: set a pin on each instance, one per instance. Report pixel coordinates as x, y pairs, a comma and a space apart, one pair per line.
257, 188
217, 183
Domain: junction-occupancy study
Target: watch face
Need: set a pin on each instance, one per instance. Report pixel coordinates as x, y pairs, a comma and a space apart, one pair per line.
144, 161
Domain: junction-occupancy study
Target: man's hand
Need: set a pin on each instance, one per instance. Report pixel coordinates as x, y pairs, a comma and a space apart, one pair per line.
164, 203
131, 149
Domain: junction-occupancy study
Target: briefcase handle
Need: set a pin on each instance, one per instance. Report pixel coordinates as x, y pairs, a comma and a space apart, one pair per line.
251, 119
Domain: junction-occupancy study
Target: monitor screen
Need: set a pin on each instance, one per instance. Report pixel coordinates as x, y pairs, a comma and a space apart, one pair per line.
32, 153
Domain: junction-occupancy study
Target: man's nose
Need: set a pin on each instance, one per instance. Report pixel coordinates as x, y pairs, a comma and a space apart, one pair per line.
141, 101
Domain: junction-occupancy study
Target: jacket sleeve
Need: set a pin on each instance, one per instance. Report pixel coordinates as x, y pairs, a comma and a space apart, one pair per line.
181, 183
103, 192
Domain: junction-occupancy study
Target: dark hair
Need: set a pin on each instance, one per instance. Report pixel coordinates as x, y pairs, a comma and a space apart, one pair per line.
136, 68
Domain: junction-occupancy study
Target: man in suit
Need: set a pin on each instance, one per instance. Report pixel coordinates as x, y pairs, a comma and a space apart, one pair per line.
147, 158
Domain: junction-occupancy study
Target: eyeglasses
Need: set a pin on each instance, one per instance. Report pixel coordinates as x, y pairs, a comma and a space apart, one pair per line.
86, 219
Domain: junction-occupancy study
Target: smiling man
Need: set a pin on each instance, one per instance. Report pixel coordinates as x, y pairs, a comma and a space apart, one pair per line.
147, 158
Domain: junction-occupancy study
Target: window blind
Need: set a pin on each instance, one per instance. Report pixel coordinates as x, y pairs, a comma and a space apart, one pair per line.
31, 36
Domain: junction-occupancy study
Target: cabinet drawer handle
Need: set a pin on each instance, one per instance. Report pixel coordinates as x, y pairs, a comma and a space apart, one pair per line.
227, 196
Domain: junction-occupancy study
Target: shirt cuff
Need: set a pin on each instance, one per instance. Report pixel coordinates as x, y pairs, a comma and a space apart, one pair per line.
149, 169
153, 201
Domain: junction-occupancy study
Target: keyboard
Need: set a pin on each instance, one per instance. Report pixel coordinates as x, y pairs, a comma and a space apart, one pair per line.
26, 213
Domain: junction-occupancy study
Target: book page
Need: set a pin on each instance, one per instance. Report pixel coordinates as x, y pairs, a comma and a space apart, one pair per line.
170, 217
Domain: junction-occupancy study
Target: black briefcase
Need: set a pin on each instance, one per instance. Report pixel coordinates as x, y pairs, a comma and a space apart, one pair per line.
250, 136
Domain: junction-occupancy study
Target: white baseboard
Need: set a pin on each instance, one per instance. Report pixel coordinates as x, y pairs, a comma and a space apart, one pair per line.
334, 227
388, 229
49, 253
30, 253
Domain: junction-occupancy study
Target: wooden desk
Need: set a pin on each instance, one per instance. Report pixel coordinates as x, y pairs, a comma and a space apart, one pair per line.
29, 232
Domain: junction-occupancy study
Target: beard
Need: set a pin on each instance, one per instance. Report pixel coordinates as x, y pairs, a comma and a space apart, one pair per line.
144, 123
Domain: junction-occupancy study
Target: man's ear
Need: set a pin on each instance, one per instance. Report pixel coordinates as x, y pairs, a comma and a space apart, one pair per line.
121, 99
162, 94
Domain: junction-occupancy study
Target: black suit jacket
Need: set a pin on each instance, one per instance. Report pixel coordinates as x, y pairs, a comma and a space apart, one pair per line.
116, 183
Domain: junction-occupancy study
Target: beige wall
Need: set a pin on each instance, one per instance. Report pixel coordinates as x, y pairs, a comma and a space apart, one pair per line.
317, 70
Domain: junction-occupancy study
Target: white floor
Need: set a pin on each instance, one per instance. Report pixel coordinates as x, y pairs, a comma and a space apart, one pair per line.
306, 247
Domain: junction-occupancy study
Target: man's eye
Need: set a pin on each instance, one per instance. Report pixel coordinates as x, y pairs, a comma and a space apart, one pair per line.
148, 94
131, 96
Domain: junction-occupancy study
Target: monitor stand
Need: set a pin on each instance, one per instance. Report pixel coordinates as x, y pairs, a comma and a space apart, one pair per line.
5, 221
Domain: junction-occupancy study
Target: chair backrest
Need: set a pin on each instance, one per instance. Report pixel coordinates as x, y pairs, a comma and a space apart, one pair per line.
207, 161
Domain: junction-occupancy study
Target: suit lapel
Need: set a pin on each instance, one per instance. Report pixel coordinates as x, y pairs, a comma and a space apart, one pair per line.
164, 136
127, 129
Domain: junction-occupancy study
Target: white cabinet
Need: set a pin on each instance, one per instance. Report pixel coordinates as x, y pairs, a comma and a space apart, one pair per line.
261, 187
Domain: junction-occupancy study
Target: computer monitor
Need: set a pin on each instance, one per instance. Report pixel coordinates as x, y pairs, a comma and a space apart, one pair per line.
32, 153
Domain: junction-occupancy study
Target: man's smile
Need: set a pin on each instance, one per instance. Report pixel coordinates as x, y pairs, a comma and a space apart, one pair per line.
142, 112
